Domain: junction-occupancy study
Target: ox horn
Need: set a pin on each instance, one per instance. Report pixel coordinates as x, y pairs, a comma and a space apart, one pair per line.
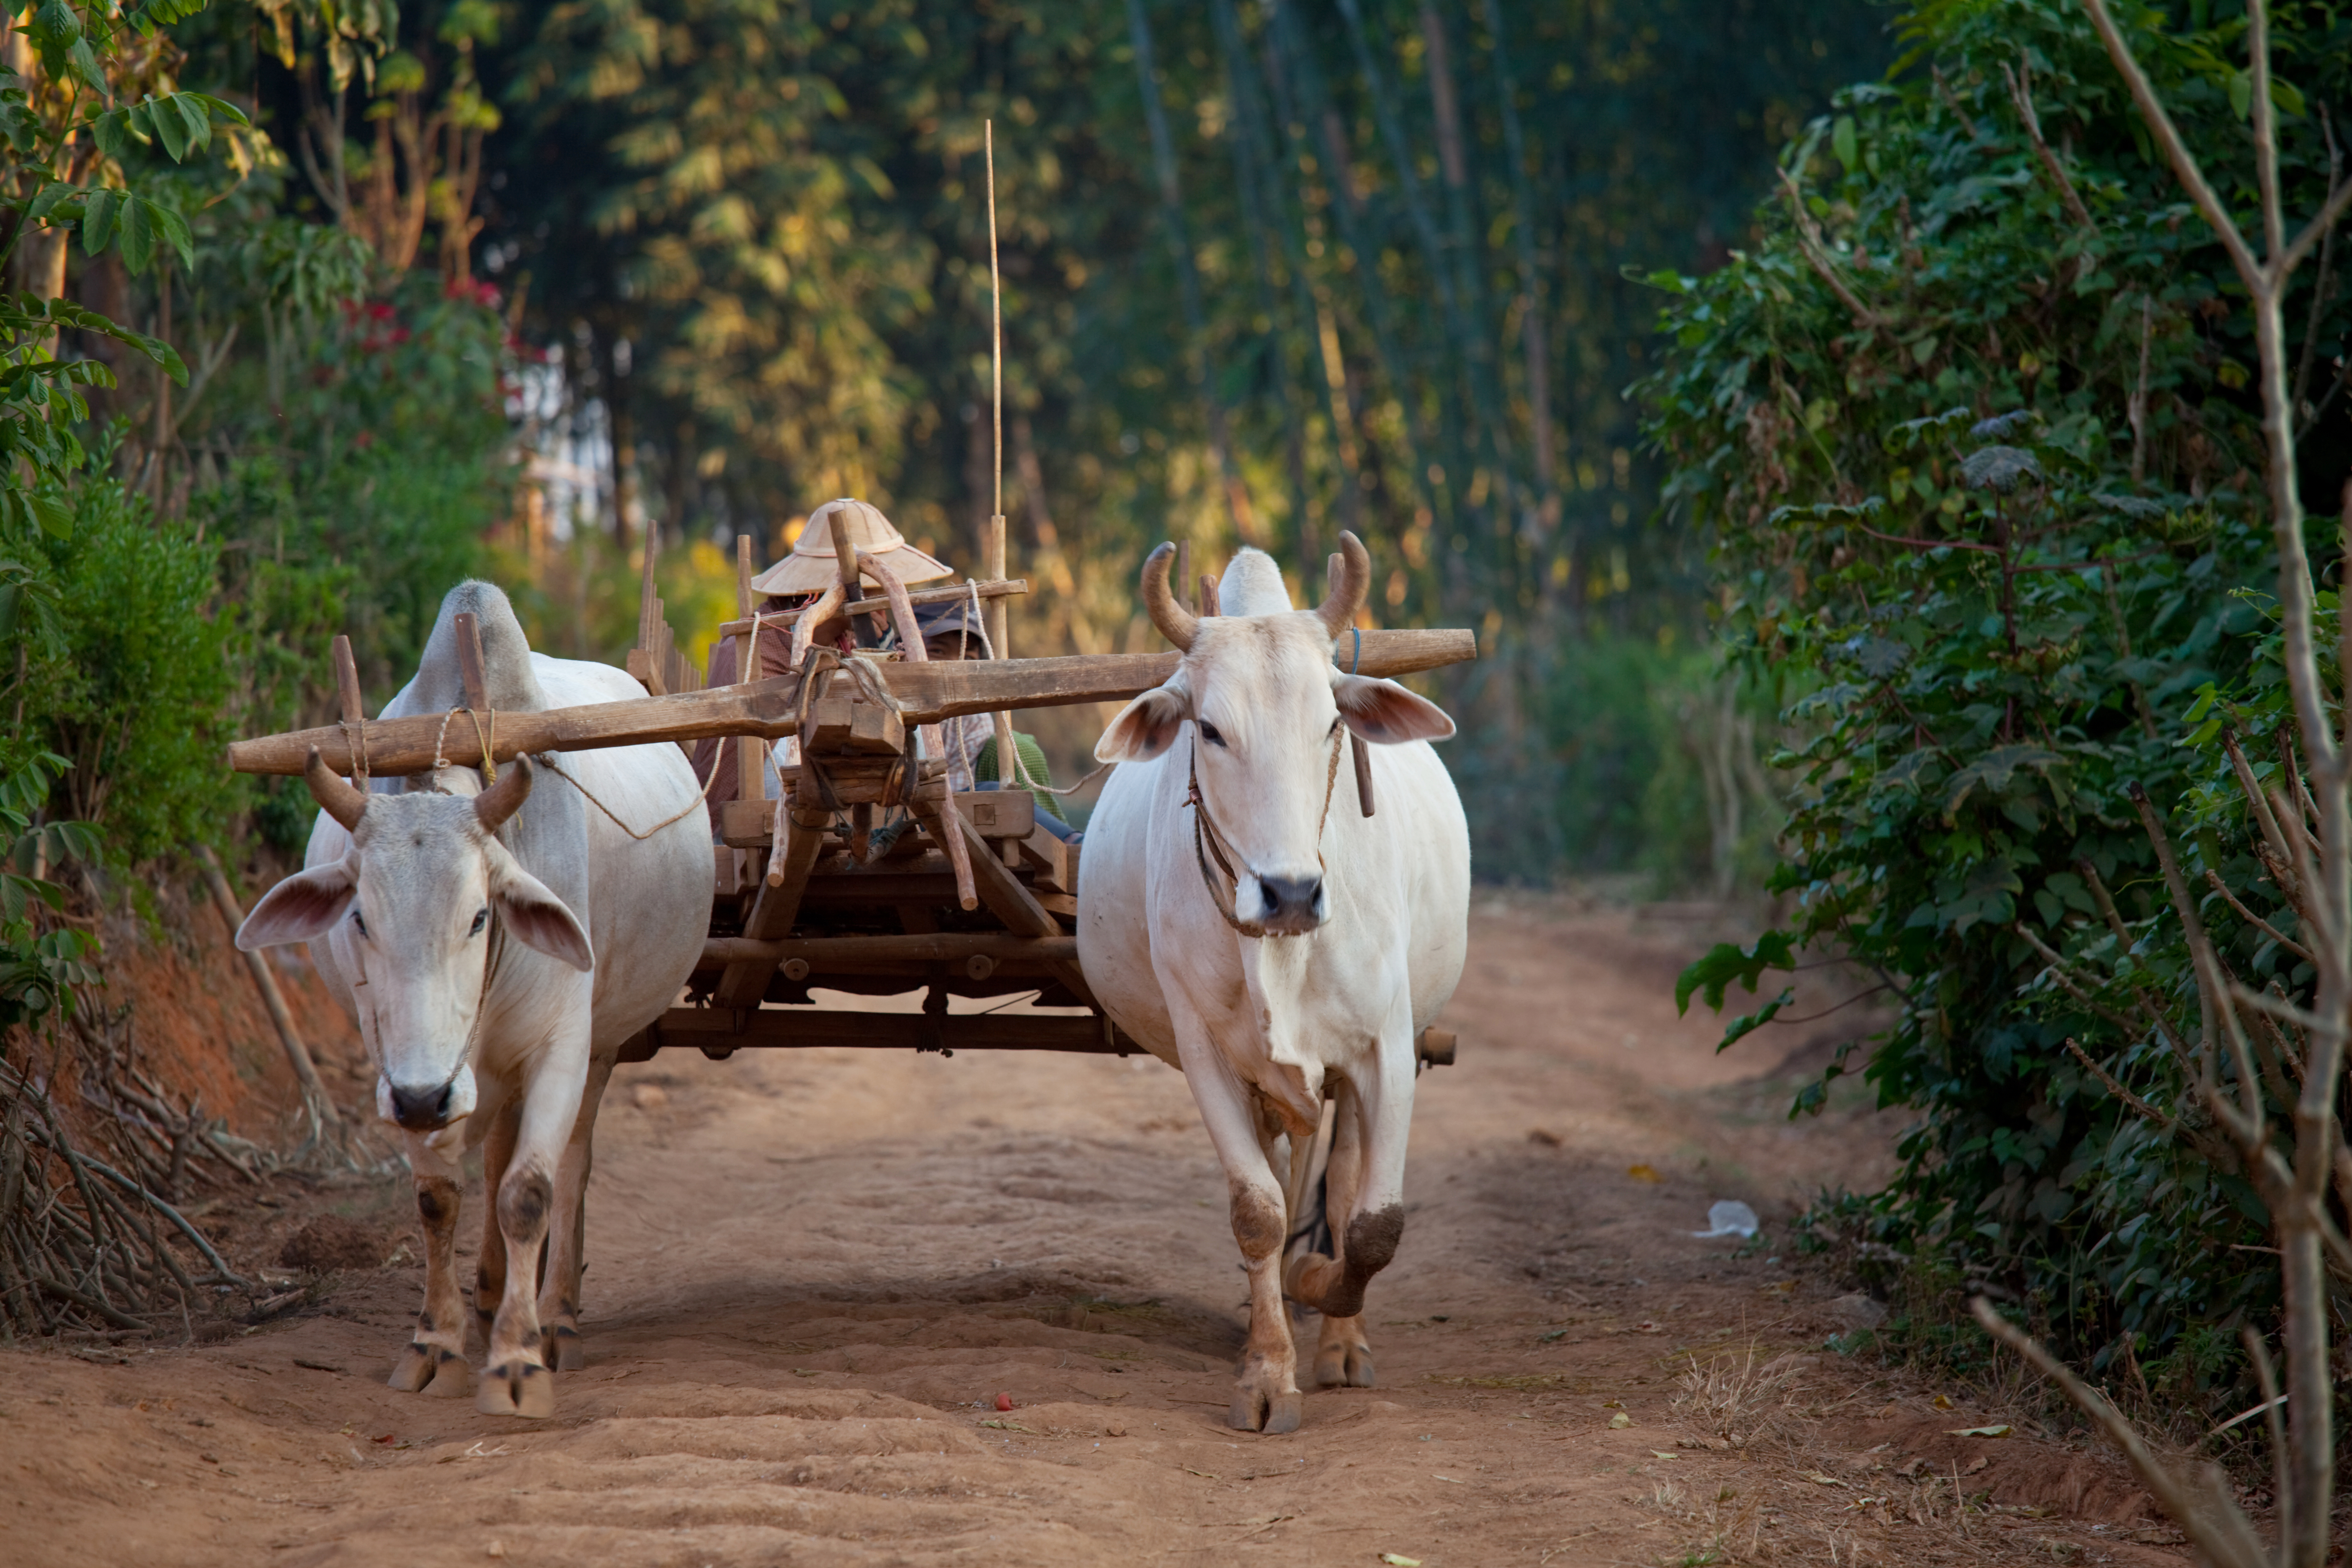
1177, 623
504, 798
337, 798
1351, 579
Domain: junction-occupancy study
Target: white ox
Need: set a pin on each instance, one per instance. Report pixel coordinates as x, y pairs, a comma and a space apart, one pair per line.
1307, 970
495, 949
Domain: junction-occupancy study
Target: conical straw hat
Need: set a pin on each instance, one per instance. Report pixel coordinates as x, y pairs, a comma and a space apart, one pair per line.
811, 568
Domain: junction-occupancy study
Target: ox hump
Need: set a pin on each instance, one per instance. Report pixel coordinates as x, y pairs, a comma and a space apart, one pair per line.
1251, 585
507, 672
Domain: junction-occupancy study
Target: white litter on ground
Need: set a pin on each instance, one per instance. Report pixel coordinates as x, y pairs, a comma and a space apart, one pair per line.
1729, 1217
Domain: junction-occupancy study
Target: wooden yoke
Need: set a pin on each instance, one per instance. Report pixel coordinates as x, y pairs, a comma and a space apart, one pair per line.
927, 693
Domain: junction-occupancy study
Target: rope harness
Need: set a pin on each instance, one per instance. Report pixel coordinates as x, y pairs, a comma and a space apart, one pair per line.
1208, 840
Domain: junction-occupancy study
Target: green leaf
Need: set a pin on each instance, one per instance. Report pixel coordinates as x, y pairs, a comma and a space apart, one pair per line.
1748, 1023
1992, 771
1727, 963
174, 230
112, 131
54, 513
100, 211
1841, 143
219, 106
196, 117
138, 233
171, 127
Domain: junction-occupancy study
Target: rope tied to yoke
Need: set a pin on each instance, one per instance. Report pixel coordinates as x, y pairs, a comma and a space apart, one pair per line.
1208, 840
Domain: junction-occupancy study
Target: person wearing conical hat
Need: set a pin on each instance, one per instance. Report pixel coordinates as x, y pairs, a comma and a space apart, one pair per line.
808, 571
811, 568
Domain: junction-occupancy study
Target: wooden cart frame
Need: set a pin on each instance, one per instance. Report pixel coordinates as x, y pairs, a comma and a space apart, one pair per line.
974, 898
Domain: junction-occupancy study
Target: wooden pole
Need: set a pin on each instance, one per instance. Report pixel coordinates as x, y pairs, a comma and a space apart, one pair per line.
999, 645
314, 1092
751, 751
928, 692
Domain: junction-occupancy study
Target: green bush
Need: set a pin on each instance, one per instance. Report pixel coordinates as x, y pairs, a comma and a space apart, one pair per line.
141, 692
1972, 448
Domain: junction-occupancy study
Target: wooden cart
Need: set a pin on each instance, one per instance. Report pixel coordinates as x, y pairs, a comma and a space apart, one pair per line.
973, 898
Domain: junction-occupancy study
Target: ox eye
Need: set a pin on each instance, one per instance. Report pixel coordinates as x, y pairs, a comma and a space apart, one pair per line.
481, 919
1209, 733
358, 922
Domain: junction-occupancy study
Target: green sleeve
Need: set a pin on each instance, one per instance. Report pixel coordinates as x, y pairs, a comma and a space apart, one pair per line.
1032, 761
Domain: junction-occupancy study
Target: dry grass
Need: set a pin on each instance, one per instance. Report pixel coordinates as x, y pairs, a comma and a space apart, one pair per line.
1732, 1400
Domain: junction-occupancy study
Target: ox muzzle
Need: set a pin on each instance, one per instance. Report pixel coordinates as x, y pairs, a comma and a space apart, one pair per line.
1292, 906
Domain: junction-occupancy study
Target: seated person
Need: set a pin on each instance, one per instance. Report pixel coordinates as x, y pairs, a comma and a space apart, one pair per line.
956, 631
794, 581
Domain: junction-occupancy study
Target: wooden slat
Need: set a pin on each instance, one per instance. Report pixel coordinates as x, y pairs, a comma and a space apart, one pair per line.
927, 692
938, 947
716, 1033
773, 912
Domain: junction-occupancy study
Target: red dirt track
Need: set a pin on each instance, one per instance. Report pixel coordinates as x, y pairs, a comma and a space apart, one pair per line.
811, 1274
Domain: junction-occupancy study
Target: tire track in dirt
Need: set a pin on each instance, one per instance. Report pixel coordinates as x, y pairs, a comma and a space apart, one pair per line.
811, 1273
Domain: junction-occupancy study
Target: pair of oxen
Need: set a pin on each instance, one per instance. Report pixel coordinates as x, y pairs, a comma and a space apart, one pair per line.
496, 943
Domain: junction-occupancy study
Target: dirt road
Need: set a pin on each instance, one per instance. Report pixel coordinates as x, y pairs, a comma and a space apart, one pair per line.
812, 1273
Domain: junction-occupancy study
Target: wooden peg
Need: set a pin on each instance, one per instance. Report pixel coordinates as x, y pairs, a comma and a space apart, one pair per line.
1363, 760
346, 681
469, 662
1207, 595
648, 608
844, 552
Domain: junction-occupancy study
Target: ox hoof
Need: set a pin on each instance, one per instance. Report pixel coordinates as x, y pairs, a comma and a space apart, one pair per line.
563, 1350
414, 1370
442, 1373
1343, 1366
1253, 1410
517, 1388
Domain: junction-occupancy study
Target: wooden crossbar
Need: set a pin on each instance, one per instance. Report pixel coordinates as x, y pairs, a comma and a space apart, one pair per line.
721, 1032
927, 692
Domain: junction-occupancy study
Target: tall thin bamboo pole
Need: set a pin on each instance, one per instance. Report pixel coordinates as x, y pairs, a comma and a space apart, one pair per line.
1008, 757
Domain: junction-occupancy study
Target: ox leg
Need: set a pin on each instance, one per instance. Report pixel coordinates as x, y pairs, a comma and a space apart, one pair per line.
1365, 1187
490, 1268
1343, 1356
1266, 1388
434, 1360
559, 1296
516, 1381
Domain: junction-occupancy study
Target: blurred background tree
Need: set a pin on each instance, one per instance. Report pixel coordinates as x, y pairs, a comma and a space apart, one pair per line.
1273, 268
519, 287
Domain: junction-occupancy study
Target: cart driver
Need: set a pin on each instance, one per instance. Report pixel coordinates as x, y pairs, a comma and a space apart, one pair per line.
796, 581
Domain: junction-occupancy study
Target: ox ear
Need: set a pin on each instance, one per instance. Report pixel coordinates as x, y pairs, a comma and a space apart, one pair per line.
1147, 726
536, 918
300, 908
1385, 713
